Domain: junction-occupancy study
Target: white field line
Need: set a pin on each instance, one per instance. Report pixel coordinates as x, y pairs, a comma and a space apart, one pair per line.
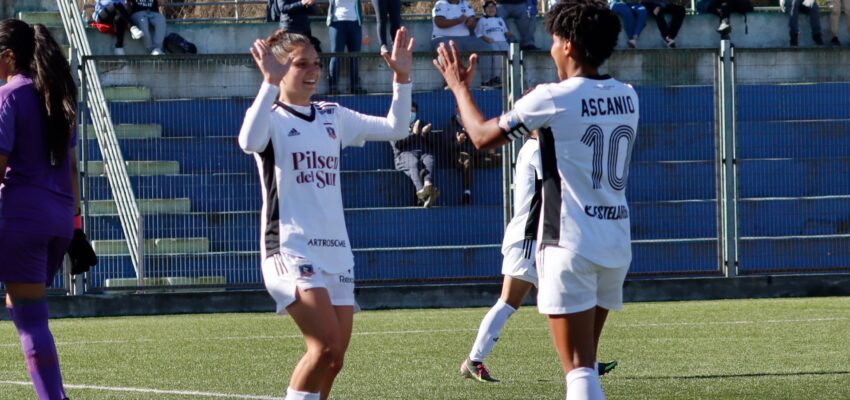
192, 393
542, 327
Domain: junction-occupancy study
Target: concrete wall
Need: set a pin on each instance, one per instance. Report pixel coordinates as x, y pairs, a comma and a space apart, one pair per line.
449, 296
238, 77
766, 29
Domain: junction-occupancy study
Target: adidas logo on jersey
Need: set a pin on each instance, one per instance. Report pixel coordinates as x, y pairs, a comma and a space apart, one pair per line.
294, 132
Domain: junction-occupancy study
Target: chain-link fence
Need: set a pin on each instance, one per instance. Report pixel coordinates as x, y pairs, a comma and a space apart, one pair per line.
673, 180
177, 119
793, 144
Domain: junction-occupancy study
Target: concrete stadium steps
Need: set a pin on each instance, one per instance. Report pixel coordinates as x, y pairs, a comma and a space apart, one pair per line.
794, 139
154, 246
675, 104
137, 168
411, 264
794, 102
126, 93
793, 177
682, 141
671, 181
46, 18
367, 228
794, 217
689, 256
360, 189
794, 254
146, 206
220, 154
127, 131
223, 116
410, 227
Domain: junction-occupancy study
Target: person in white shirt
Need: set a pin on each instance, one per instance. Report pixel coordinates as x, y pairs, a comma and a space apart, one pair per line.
492, 29
345, 33
588, 125
452, 20
306, 255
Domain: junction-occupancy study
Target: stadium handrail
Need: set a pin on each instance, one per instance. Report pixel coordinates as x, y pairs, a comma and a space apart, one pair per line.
107, 140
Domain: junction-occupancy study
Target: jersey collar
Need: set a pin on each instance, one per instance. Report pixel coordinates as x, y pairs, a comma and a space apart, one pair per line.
308, 118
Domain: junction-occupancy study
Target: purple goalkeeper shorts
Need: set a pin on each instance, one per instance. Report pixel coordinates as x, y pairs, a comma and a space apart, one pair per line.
27, 257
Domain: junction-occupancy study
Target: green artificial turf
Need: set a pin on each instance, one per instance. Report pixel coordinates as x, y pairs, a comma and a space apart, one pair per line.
742, 349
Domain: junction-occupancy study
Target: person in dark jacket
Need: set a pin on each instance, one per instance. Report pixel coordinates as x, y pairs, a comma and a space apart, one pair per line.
414, 155
294, 16
660, 9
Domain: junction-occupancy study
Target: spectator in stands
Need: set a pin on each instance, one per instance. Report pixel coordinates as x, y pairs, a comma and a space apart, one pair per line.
793, 8
492, 29
345, 20
145, 14
39, 188
294, 16
835, 19
453, 20
724, 9
633, 16
524, 14
660, 9
387, 12
414, 155
465, 155
114, 12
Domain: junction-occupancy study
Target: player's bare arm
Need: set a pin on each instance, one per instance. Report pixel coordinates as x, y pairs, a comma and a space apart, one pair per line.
484, 134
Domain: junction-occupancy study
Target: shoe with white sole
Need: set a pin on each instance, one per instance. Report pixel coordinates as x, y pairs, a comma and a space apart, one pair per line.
136, 33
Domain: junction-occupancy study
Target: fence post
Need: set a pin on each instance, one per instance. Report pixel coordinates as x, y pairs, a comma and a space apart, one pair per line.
728, 174
78, 282
514, 92
140, 274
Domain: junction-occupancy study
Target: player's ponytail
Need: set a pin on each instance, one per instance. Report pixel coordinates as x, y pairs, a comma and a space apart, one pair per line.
55, 86
37, 55
282, 42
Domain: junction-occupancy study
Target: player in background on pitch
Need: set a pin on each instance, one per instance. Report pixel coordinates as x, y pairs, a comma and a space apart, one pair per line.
518, 248
588, 124
307, 261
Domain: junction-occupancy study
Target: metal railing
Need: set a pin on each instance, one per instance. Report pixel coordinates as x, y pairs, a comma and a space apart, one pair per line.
94, 106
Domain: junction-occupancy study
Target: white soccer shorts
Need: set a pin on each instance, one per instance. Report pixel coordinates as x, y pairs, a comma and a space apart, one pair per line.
283, 273
570, 283
518, 263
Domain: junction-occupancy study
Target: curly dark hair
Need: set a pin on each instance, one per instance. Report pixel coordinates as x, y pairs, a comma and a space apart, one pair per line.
589, 25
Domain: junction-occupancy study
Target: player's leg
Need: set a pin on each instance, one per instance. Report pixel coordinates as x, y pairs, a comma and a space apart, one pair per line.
345, 321
609, 297
33, 259
318, 322
567, 294
572, 335
513, 292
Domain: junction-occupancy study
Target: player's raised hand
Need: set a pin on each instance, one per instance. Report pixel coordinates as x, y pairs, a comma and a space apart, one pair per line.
272, 69
448, 62
401, 58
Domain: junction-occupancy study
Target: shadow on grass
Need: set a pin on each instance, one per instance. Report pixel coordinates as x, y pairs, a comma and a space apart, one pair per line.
750, 375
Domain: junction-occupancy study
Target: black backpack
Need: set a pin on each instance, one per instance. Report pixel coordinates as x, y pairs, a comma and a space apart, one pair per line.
176, 44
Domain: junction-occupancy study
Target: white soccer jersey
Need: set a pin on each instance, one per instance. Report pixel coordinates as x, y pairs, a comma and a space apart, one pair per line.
588, 128
492, 27
298, 156
527, 185
442, 8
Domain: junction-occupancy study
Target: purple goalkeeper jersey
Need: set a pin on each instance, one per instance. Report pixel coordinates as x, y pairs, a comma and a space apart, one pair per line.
34, 196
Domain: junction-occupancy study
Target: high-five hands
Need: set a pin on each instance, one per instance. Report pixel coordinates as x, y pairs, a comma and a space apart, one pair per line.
448, 62
272, 69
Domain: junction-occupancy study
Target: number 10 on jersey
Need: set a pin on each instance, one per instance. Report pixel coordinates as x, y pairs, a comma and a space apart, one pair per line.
594, 137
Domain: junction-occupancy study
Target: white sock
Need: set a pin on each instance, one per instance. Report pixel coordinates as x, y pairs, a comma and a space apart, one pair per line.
490, 329
583, 384
292, 394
